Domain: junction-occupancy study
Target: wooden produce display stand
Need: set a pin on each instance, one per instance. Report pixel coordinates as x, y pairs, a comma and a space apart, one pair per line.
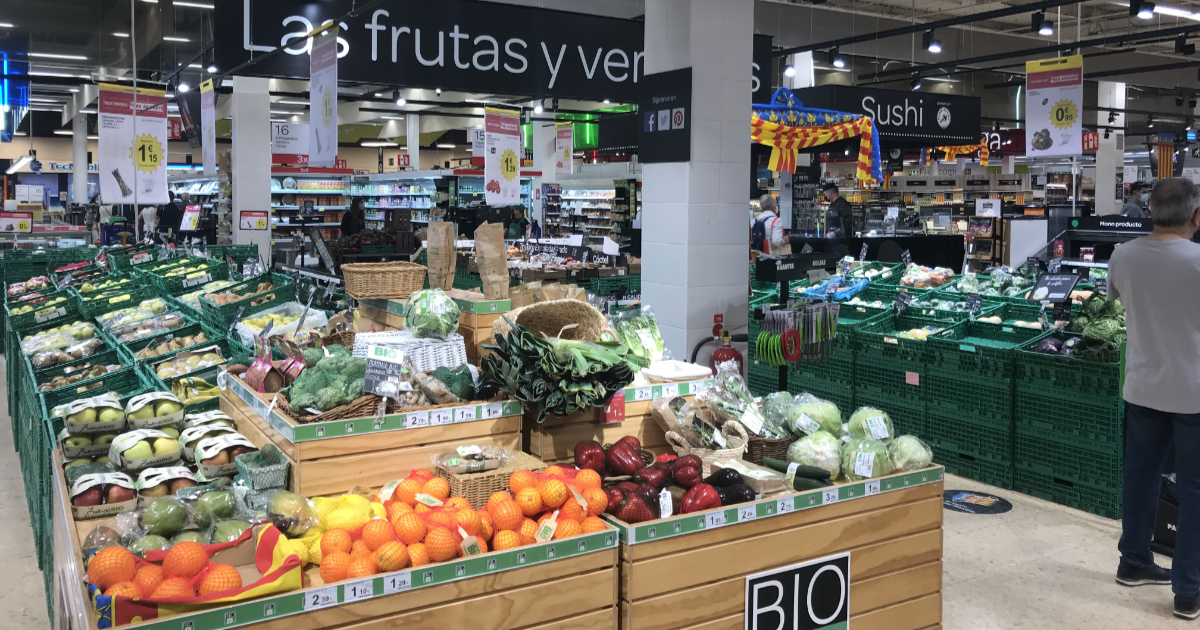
559, 585
629, 414
332, 457
691, 571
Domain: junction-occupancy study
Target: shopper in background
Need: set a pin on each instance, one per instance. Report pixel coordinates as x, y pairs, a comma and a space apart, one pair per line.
149, 222
1155, 277
766, 230
1135, 205
355, 218
170, 216
516, 227
840, 215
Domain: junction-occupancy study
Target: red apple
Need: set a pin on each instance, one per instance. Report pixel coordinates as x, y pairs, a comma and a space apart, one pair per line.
118, 494
180, 484
220, 459
91, 496
238, 450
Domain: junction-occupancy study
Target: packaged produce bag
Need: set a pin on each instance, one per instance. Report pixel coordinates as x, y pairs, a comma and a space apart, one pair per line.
441, 256
493, 260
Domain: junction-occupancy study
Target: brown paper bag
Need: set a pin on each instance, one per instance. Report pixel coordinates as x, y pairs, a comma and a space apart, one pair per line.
493, 260
524, 295
441, 256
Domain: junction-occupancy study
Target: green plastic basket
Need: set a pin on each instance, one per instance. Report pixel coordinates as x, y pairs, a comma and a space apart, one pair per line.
220, 316
838, 393
124, 382
107, 357
908, 418
1098, 501
93, 309
986, 441
978, 349
1087, 378
209, 374
999, 474
188, 330
129, 260
1066, 416
178, 285
1078, 461
64, 312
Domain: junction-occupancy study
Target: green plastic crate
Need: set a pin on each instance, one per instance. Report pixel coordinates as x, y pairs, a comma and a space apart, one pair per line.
978, 349
980, 400
111, 356
763, 379
220, 316
1067, 416
188, 330
1081, 462
1106, 503
878, 342
93, 309
209, 374
999, 474
124, 382
64, 312
125, 260
240, 253
984, 440
229, 347
1087, 378
838, 393
178, 285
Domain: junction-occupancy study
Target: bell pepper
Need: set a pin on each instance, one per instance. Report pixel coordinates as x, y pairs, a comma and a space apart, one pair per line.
651, 476
632, 441
634, 509
666, 458
623, 459
615, 497
687, 470
699, 498
589, 454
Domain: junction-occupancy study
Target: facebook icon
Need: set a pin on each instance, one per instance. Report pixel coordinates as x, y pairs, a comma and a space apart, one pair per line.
650, 121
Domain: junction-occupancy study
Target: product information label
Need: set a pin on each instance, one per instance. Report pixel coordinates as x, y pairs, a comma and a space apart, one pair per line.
356, 591
807, 424
864, 464
666, 504
321, 598
877, 427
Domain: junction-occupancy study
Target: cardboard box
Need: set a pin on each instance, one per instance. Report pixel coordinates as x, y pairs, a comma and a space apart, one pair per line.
608, 272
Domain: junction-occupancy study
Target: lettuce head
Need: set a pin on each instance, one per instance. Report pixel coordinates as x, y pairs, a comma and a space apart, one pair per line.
866, 458
910, 453
820, 449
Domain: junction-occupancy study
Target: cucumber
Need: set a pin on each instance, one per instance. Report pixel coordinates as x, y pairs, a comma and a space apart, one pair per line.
811, 472
806, 483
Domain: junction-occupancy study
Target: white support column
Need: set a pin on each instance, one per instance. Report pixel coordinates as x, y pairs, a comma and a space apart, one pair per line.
1110, 157
696, 215
79, 171
1008, 165
252, 159
544, 158
414, 140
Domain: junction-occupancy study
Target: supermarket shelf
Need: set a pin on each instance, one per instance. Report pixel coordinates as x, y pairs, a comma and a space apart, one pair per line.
315, 191
403, 194
297, 207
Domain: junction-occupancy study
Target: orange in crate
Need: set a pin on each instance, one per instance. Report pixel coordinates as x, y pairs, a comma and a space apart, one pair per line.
486, 528
334, 566
174, 587
596, 499
528, 529
148, 578
128, 589
337, 540
458, 503
360, 567
555, 471
530, 501
422, 474
421, 508
392, 556
522, 479
506, 539
588, 478
468, 520
496, 498
567, 529
185, 559
506, 515
554, 493
440, 518
417, 555
437, 488
407, 491
219, 577
441, 545
571, 511
360, 550
377, 532
593, 524
111, 565
410, 528
396, 510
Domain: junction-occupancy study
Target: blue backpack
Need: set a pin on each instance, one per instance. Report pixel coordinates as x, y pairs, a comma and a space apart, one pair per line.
758, 234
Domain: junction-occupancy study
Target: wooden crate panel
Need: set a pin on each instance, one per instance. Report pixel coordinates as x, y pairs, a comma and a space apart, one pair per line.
253, 427
558, 443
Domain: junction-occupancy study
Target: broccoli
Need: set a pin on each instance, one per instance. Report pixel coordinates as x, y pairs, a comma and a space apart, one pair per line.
338, 351
357, 368
312, 357
354, 388
330, 397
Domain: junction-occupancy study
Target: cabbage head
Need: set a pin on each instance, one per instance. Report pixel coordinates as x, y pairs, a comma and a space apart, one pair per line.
820, 449
864, 424
823, 412
862, 454
909, 453
431, 313
1105, 329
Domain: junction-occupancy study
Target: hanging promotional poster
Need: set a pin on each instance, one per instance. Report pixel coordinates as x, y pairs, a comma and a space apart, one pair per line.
289, 143
322, 99
133, 148
564, 143
501, 157
208, 127
1053, 107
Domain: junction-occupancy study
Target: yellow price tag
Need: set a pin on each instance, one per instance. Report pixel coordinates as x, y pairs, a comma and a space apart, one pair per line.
147, 153
1063, 114
261, 224
508, 164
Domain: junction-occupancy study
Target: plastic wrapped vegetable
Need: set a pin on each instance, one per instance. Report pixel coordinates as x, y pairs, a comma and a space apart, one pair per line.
431, 314
779, 413
639, 331
810, 409
866, 458
909, 453
969, 284
872, 422
820, 449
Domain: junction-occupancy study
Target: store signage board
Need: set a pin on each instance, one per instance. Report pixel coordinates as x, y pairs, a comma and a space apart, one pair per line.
1053, 288
322, 99
20, 222
501, 157
191, 218
487, 47
988, 207
665, 110
289, 143
811, 595
768, 508
903, 116
208, 127
253, 219
1112, 223
1054, 106
133, 152
564, 145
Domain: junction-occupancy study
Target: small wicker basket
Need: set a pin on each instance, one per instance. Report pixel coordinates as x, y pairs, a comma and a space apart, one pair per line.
383, 281
760, 447
477, 487
735, 436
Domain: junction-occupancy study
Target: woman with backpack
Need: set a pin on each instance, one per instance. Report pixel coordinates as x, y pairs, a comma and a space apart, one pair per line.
767, 234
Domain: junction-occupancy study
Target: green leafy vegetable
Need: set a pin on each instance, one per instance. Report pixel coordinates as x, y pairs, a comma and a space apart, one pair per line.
431, 314
820, 449
866, 458
909, 453
870, 422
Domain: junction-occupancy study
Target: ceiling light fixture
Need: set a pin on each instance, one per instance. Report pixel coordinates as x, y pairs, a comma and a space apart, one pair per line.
19, 164
445, 146
399, 99
539, 107
183, 86
377, 143
838, 60
120, 34
212, 68
1150, 121
194, 5
438, 91
1178, 101
168, 38
605, 101
6, 25
45, 73
789, 70
73, 90
1141, 9
1107, 133
58, 56
915, 82
931, 43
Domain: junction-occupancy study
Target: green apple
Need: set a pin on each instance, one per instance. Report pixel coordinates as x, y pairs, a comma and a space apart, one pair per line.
108, 414
77, 441
145, 413
107, 438
171, 431
166, 408
103, 460
87, 415
165, 446
76, 462
141, 450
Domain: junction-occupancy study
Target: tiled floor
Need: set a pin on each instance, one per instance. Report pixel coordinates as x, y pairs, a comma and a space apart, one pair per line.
1039, 566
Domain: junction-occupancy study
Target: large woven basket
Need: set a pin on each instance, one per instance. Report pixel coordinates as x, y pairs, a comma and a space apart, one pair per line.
760, 447
383, 281
344, 339
735, 436
427, 354
477, 487
550, 318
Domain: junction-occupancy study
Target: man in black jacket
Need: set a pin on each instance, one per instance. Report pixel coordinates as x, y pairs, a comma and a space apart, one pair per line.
840, 216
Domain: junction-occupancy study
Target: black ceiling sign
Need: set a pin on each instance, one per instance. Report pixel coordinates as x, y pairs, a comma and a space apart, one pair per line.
664, 115
760, 84
459, 45
919, 118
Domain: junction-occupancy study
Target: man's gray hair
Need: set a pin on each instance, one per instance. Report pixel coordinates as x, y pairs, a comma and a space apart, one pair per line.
1174, 201
767, 202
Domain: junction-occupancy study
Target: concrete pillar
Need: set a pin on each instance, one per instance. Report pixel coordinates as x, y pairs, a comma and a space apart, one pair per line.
1110, 158
1008, 164
695, 218
414, 140
544, 158
252, 159
79, 171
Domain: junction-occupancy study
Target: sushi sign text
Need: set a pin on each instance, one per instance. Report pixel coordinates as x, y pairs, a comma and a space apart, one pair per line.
812, 595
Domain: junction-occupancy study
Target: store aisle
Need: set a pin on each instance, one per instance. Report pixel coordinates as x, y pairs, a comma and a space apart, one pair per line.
1041, 565
21, 593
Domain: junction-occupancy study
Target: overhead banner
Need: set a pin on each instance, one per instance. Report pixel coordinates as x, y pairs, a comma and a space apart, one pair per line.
208, 127
322, 99
1053, 103
501, 157
564, 144
133, 145
903, 117
289, 143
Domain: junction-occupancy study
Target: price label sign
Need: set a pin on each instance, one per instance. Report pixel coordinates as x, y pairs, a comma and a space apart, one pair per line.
642, 393
906, 257
807, 249
417, 419
358, 591
440, 417
464, 414
747, 513
783, 506
974, 302
492, 411
321, 598
903, 299
829, 496
714, 519
397, 583
871, 487
1054, 266
845, 266
670, 391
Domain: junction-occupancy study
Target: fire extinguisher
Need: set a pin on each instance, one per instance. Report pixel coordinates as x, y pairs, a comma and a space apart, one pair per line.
726, 353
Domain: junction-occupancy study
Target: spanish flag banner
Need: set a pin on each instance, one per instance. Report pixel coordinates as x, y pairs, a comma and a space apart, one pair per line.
786, 126
952, 153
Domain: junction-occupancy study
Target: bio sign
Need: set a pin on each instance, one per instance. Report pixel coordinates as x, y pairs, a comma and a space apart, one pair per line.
812, 595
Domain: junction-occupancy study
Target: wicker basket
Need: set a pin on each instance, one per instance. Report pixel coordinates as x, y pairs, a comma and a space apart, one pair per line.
735, 436
383, 281
361, 407
760, 447
551, 317
344, 339
477, 487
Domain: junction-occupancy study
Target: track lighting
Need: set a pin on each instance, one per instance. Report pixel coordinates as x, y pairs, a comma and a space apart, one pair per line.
789, 70
1182, 47
1178, 101
183, 86
915, 82
931, 43
838, 60
540, 107
1112, 117
1192, 103
438, 91
1040, 25
1150, 121
399, 99
1141, 8
1191, 124
1107, 133
212, 68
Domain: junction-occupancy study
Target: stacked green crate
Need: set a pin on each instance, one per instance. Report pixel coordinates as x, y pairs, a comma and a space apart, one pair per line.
969, 411
220, 316
239, 253
1070, 428
202, 272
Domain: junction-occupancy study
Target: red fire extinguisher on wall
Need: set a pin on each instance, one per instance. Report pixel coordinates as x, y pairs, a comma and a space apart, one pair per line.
726, 353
